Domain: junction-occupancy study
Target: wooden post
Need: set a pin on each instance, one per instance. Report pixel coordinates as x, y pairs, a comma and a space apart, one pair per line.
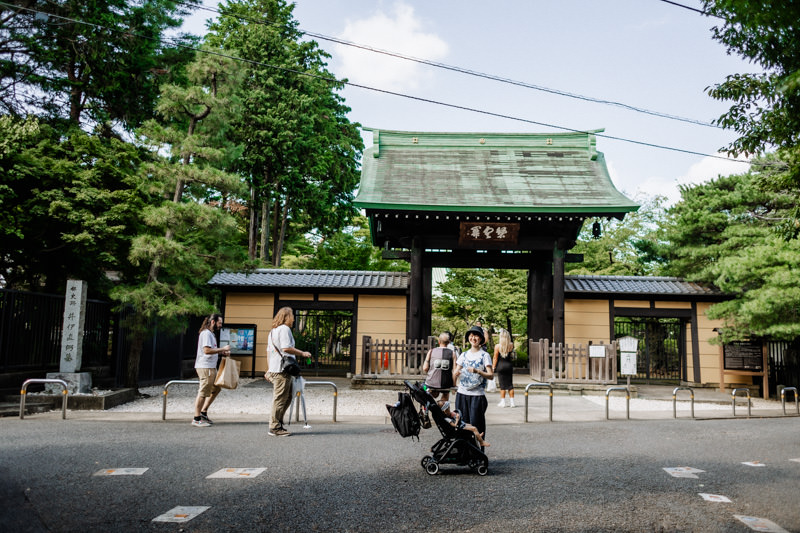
558, 296
415, 297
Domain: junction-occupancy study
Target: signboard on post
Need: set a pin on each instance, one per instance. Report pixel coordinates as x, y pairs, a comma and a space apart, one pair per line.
627, 356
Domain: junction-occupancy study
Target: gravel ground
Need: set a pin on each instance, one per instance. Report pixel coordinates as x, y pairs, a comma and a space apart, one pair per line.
254, 396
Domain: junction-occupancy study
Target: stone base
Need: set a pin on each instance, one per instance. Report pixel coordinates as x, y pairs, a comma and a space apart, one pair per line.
77, 382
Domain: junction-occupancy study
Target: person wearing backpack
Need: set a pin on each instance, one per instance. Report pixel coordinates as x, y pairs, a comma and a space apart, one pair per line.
473, 368
439, 366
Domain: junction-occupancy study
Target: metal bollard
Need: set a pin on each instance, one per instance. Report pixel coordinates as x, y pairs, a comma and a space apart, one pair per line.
314, 383
24, 391
173, 382
674, 400
549, 386
733, 400
783, 399
627, 400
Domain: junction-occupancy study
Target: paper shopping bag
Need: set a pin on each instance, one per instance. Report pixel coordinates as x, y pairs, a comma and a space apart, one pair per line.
228, 373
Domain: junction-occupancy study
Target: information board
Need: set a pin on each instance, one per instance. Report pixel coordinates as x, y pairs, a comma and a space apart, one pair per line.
743, 355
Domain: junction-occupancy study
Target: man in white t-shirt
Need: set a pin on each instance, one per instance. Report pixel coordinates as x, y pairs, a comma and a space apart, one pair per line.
205, 364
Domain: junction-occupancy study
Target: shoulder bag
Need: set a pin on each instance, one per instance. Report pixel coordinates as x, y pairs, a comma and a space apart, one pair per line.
288, 364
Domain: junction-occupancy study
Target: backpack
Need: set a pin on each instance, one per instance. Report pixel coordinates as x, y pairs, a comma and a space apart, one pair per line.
405, 418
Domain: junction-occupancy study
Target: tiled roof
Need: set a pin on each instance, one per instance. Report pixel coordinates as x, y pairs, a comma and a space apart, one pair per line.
488, 172
636, 285
312, 279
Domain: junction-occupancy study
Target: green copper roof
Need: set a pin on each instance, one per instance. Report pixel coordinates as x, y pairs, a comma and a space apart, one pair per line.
488, 172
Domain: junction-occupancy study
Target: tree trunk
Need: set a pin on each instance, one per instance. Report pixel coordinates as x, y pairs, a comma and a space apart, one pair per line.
282, 235
264, 248
276, 230
134, 355
251, 229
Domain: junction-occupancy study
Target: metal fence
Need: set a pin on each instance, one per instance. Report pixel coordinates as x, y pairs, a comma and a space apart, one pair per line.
662, 346
30, 332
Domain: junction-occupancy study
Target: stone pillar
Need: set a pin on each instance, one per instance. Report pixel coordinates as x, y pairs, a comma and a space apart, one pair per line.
72, 341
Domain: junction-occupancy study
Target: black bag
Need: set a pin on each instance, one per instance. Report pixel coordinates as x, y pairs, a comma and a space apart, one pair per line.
405, 418
289, 366
424, 419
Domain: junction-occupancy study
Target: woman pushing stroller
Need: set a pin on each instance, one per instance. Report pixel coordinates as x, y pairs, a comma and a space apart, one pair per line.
454, 419
473, 368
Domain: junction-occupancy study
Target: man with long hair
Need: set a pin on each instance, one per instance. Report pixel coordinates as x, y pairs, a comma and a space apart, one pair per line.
280, 343
205, 364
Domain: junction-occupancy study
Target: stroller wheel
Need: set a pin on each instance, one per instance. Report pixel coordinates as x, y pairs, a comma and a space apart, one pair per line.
425, 460
432, 468
483, 469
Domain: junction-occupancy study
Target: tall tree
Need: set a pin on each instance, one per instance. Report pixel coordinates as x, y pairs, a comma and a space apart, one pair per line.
89, 63
766, 105
185, 239
300, 152
722, 233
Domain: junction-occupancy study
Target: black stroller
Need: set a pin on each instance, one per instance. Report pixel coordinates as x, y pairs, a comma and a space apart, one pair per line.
457, 446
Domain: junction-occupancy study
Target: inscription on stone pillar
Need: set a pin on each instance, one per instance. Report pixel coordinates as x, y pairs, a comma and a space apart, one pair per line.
72, 332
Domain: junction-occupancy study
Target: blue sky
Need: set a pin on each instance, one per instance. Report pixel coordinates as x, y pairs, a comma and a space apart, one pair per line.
643, 53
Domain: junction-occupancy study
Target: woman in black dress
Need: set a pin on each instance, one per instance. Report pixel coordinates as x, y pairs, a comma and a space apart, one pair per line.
504, 368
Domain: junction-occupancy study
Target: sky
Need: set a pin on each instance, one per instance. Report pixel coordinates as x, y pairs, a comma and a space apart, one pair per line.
648, 54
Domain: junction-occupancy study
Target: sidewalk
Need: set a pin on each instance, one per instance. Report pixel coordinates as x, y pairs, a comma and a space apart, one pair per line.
324, 395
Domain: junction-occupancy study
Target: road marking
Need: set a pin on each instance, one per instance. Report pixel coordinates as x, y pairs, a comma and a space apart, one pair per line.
683, 471
714, 498
180, 514
796, 460
121, 472
760, 524
754, 463
236, 473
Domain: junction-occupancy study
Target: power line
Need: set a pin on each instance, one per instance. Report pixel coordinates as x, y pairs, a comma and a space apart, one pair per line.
690, 8
469, 72
384, 91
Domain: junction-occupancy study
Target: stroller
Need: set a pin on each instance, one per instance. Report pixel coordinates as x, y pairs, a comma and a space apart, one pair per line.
457, 446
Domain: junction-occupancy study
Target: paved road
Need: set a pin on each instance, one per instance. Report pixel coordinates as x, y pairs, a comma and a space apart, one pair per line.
355, 476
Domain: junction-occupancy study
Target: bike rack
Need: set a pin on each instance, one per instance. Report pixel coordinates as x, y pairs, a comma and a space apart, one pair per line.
174, 382
733, 400
549, 386
314, 383
783, 399
627, 400
674, 400
24, 391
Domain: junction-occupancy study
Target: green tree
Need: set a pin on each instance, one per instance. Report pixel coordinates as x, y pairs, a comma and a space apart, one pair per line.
97, 61
300, 152
766, 105
184, 239
69, 205
722, 233
628, 247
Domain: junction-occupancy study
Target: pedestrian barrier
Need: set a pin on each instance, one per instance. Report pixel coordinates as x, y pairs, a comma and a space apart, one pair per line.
24, 391
299, 397
733, 400
549, 386
627, 400
783, 399
675, 403
174, 382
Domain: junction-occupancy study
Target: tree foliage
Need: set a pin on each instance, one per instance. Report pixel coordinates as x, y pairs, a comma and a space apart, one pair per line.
300, 151
722, 233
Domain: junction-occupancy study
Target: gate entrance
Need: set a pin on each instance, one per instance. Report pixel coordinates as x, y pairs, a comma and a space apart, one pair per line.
662, 347
327, 334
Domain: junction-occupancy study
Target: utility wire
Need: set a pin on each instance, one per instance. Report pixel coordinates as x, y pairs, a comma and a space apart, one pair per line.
384, 91
469, 72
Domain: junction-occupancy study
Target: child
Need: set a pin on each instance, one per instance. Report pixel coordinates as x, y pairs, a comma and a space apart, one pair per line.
454, 419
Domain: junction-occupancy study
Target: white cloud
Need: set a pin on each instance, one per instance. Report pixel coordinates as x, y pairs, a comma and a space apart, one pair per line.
398, 31
709, 168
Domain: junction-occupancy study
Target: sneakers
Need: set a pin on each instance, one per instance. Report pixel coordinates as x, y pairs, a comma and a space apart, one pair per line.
280, 432
502, 403
205, 417
512, 403
200, 423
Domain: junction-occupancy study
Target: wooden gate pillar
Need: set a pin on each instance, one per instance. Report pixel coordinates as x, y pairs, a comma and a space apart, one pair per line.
540, 300
558, 296
415, 297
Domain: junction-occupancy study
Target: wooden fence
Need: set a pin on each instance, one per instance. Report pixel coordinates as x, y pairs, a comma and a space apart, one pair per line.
576, 363
394, 357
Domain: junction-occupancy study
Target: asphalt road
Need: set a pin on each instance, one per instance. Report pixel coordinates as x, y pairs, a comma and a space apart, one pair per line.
351, 476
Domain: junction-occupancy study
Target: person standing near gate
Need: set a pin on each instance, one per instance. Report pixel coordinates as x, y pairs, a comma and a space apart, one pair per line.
473, 368
504, 367
205, 364
439, 366
281, 343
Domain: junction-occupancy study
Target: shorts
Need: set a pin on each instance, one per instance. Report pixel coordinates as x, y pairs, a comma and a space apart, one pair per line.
207, 377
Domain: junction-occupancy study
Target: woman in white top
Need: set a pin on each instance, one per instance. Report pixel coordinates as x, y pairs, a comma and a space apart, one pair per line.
279, 343
473, 368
